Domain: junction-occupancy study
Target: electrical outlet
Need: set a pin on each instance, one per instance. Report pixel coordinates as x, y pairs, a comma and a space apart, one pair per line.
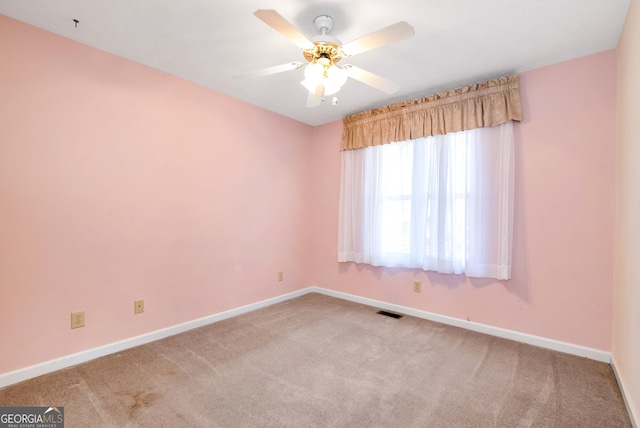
138, 306
417, 286
77, 319
280, 276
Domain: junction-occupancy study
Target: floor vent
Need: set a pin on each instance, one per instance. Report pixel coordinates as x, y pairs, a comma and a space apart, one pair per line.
389, 314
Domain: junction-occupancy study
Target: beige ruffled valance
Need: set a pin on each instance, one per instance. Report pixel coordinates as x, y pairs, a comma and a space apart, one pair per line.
479, 105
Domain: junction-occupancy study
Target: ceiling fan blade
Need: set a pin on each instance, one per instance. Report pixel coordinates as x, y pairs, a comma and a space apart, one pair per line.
315, 98
284, 27
371, 79
268, 71
391, 34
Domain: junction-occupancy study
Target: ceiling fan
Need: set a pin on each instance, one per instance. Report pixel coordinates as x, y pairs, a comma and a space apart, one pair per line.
322, 74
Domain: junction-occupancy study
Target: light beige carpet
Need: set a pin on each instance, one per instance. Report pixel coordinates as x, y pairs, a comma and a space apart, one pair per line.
317, 361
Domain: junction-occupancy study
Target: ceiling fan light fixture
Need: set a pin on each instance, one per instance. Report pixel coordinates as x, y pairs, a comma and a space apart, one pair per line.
324, 60
332, 78
314, 72
313, 76
336, 77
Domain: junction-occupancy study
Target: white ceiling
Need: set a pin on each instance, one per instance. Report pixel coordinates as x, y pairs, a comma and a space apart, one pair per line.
456, 41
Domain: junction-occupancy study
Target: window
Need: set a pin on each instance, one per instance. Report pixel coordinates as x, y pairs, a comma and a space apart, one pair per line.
441, 203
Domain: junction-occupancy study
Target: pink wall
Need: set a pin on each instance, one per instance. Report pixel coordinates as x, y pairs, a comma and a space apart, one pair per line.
564, 213
118, 182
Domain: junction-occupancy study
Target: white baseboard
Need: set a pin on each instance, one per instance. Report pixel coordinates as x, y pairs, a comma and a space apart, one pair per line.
19, 375
633, 416
581, 351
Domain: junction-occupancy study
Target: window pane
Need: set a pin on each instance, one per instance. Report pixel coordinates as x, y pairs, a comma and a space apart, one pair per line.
396, 223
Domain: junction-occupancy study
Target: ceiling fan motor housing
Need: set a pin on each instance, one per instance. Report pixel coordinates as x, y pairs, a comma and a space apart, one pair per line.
323, 49
326, 46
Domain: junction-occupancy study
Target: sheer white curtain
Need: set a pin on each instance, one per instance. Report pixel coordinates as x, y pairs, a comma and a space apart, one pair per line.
441, 203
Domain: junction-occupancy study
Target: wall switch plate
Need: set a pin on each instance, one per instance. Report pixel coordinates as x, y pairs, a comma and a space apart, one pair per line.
280, 276
138, 306
77, 319
417, 286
